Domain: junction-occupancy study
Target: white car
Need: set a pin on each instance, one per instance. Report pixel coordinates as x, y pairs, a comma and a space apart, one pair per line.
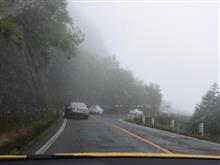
95, 109
135, 113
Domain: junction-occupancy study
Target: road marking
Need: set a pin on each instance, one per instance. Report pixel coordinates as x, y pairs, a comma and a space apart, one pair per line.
179, 136
137, 137
137, 154
47, 145
171, 133
144, 140
205, 150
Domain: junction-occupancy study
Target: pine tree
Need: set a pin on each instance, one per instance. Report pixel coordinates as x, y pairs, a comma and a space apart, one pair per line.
208, 112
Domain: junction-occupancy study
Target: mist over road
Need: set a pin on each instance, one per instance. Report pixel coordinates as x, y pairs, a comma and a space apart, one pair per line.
105, 133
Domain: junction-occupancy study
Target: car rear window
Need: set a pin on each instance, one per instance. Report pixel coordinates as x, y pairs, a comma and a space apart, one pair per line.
82, 105
78, 105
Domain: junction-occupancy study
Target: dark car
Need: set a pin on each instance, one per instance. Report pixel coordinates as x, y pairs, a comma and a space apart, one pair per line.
76, 110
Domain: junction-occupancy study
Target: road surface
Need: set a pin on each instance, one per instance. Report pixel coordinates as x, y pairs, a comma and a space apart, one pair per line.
105, 133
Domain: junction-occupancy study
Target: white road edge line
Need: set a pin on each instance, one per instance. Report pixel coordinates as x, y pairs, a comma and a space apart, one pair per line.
174, 134
47, 145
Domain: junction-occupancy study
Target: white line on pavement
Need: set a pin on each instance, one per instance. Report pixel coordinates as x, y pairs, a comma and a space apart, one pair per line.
47, 145
171, 133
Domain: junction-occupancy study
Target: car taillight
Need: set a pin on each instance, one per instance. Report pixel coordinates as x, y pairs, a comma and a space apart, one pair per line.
86, 110
69, 108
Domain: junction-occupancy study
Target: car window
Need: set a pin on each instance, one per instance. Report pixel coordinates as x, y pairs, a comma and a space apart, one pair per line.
81, 105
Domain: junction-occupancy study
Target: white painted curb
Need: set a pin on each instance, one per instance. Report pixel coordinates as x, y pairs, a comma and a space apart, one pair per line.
47, 145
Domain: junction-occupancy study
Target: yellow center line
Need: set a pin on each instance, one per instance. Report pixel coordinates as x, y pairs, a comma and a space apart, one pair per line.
144, 140
137, 137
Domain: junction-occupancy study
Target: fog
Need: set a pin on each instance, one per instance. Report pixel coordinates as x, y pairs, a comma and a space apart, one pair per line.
172, 44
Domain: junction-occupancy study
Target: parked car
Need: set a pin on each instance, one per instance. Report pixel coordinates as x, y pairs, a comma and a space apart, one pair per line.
95, 109
76, 110
135, 113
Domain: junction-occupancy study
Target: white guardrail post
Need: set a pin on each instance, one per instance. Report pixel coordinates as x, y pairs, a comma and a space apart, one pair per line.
201, 128
143, 119
172, 124
153, 121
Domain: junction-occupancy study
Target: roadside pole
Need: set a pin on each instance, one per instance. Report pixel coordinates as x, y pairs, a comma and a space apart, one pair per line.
172, 124
153, 121
143, 119
201, 128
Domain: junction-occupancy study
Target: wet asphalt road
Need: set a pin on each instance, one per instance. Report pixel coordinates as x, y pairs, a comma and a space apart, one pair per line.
105, 133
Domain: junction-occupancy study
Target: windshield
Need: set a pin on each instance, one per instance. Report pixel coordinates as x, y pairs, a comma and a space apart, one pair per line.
148, 71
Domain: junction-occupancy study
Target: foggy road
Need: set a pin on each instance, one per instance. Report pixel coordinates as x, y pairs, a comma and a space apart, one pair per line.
108, 134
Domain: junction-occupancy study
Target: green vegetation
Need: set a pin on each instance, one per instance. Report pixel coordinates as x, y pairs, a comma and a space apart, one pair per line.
42, 72
48, 68
207, 112
46, 27
49, 30
163, 122
102, 81
48, 35
17, 130
41, 30
9, 29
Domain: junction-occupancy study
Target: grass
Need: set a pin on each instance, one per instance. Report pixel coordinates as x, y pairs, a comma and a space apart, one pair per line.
18, 131
41, 136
